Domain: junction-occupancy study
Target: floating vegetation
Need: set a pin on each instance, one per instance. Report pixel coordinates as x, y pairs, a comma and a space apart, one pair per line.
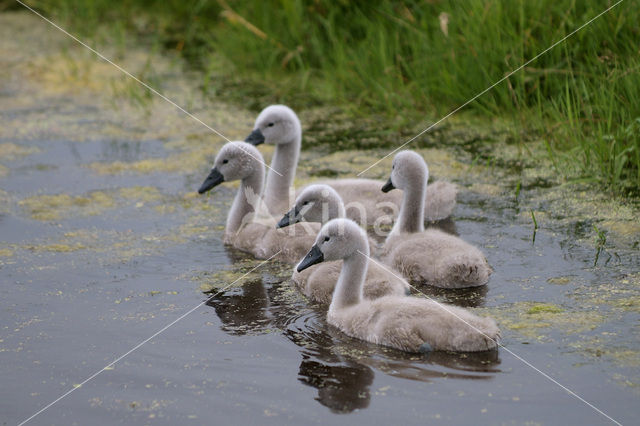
602, 347
193, 229
623, 295
55, 207
539, 320
57, 248
559, 280
171, 164
224, 279
112, 246
4, 252
59, 206
544, 308
10, 151
144, 194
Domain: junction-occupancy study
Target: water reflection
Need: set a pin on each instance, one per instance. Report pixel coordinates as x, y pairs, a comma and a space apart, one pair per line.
342, 388
470, 297
447, 225
342, 369
421, 367
243, 310
118, 150
342, 380
468, 366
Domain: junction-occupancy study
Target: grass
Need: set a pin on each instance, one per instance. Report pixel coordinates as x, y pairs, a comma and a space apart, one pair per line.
600, 243
535, 226
407, 60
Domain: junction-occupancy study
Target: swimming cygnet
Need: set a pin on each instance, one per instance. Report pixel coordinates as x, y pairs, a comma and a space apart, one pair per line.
248, 227
430, 257
407, 323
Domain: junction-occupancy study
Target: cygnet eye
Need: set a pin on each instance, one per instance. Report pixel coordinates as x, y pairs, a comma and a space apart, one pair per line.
305, 203
225, 161
271, 124
326, 239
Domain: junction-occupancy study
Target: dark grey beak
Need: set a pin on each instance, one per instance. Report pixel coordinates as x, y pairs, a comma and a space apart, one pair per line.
215, 178
314, 256
255, 138
388, 186
290, 218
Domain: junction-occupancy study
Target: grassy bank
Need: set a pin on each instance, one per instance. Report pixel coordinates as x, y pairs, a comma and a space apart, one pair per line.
408, 60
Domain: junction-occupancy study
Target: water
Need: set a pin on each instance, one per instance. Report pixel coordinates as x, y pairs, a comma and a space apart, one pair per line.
88, 276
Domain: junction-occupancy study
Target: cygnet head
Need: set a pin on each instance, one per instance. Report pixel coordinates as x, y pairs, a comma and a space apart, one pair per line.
236, 161
338, 239
316, 203
408, 168
276, 124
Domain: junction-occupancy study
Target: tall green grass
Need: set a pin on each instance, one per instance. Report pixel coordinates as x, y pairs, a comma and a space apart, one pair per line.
412, 59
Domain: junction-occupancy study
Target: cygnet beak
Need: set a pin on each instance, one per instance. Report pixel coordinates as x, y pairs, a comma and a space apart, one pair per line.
215, 178
314, 256
290, 218
255, 138
388, 186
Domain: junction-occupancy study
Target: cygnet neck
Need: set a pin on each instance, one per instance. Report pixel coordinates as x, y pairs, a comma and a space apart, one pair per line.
285, 162
348, 290
246, 201
411, 217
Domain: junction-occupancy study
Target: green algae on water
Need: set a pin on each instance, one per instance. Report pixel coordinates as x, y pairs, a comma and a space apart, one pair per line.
544, 308
4, 252
622, 296
10, 151
57, 248
538, 320
143, 194
55, 207
559, 280
61, 206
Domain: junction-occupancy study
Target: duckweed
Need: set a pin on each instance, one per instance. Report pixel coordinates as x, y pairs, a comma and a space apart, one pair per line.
538, 320
9, 151
544, 308
559, 280
55, 207
60, 206
4, 252
603, 346
184, 163
623, 295
58, 248
143, 194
